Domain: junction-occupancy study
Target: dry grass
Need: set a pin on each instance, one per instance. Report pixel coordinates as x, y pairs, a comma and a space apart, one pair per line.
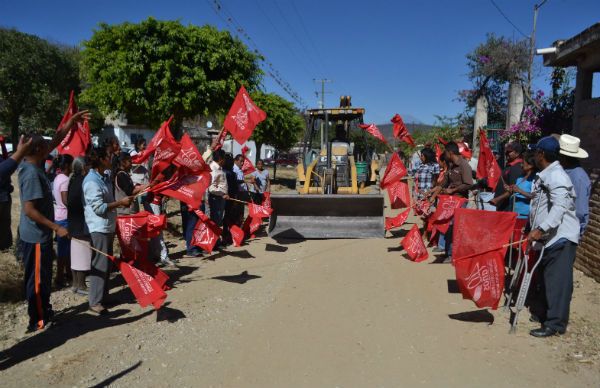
11, 278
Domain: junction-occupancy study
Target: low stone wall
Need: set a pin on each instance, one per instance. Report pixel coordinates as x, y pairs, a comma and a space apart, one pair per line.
588, 252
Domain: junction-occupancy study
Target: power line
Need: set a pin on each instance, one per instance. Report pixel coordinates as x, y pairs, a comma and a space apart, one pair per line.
224, 14
507, 19
306, 32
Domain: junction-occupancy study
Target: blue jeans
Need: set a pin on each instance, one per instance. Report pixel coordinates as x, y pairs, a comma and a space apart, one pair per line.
216, 205
188, 220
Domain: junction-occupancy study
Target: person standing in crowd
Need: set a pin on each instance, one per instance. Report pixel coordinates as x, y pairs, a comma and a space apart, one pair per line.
260, 181
569, 156
60, 188
457, 181
113, 149
414, 163
36, 224
234, 211
139, 146
123, 184
427, 172
513, 170
189, 219
140, 173
218, 189
554, 224
100, 216
7, 167
523, 186
242, 186
81, 253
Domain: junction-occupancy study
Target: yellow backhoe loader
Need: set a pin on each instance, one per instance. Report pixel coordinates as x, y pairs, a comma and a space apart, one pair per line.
337, 193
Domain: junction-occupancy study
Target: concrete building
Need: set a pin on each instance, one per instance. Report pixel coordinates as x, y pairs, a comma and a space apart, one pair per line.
583, 52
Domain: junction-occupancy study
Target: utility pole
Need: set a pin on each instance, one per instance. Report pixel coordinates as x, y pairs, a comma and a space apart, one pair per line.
536, 8
323, 81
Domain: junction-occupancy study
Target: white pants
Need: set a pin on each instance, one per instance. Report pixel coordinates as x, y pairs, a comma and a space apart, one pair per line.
158, 243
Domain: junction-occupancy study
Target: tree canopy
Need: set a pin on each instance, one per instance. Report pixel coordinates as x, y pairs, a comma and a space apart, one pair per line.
153, 69
36, 77
283, 126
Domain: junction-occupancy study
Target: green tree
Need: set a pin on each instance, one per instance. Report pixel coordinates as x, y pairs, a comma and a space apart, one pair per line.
157, 68
283, 126
35, 80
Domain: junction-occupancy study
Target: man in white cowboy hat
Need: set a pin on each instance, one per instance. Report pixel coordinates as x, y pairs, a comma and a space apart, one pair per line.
570, 154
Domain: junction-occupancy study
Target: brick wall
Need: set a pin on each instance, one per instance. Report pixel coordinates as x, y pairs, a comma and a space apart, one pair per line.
588, 252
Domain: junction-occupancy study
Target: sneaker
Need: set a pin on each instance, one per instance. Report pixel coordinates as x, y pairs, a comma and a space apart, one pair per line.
33, 326
81, 291
193, 253
438, 250
447, 260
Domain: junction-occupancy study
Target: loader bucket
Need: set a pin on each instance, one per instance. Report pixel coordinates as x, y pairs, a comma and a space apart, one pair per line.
326, 216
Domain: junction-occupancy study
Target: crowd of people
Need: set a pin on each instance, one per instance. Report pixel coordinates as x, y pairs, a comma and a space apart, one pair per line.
69, 210
545, 185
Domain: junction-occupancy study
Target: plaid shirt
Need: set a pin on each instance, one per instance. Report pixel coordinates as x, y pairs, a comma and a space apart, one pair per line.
424, 176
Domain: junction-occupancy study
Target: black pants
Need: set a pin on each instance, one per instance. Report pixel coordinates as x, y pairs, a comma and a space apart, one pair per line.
6, 237
37, 259
557, 285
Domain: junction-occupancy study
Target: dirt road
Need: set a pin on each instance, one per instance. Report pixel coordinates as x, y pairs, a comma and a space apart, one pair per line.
347, 313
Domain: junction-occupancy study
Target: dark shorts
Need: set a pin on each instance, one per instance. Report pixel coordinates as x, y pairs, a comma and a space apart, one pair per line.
63, 244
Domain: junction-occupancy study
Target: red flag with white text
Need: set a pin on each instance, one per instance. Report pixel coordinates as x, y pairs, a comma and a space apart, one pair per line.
373, 130
255, 210
146, 289
206, 233
399, 195
414, 246
487, 165
247, 167
394, 171
188, 188
163, 132
220, 141
189, 159
243, 117
251, 225
478, 253
444, 212
79, 138
267, 199
237, 235
398, 221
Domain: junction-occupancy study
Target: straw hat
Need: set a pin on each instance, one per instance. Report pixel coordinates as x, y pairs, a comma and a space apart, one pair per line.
569, 145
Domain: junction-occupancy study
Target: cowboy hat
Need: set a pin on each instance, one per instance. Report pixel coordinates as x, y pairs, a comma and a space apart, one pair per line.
569, 145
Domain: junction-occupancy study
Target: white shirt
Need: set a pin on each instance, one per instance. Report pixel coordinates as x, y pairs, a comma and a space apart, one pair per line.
218, 184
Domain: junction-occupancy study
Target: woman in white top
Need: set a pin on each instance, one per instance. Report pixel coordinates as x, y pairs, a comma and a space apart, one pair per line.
60, 187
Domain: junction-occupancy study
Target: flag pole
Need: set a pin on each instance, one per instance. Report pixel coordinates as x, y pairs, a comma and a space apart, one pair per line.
491, 250
92, 248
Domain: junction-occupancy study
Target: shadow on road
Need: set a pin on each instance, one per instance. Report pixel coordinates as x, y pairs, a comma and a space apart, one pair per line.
453, 287
107, 382
242, 278
477, 316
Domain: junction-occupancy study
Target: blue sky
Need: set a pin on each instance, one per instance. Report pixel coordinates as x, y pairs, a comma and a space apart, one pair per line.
391, 56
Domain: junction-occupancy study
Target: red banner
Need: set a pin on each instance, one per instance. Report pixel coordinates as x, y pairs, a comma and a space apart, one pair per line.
206, 233
399, 195
478, 253
487, 165
165, 153
189, 159
442, 140
400, 130
444, 212
414, 246
188, 189
438, 153
243, 117
79, 138
220, 140
145, 289
247, 167
267, 200
398, 221
237, 235
394, 171
258, 211
373, 130
251, 226
422, 207
163, 132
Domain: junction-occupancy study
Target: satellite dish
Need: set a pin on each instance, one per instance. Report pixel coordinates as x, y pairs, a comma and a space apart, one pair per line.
209, 124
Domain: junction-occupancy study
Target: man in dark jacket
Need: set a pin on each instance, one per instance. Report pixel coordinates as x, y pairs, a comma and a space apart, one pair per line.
512, 171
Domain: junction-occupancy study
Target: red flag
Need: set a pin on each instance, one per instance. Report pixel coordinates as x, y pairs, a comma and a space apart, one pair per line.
164, 154
487, 165
394, 171
206, 233
163, 132
247, 167
156, 223
3, 146
444, 212
78, 139
399, 195
398, 221
422, 207
444, 142
188, 188
373, 130
245, 150
243, 117
267, 199
220, 140
259, 211
145, 289
464, 150
414, 246
251, 225
400, 130
189, 158
438, 152
237, 235
478, 253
